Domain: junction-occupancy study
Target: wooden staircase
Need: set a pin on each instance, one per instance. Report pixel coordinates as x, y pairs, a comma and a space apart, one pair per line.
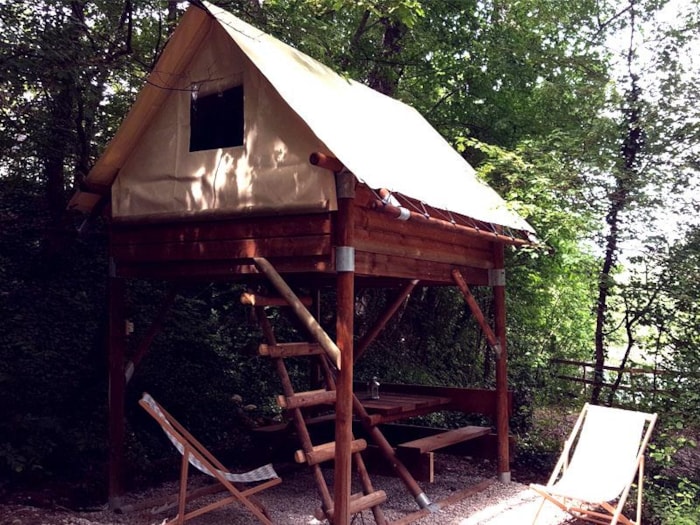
296, 402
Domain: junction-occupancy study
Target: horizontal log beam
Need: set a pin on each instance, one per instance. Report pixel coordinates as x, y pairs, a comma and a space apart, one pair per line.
428, 272
225, 249
290, 349
427, 250
253, 299
326, 452
307, 399
221, 270
213, 228
395, 212
368, 218
325, 161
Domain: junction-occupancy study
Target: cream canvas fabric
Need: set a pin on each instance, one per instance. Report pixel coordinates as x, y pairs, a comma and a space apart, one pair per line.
384, 142
602, 458
269, 172
605, 458
259, 474
293, 105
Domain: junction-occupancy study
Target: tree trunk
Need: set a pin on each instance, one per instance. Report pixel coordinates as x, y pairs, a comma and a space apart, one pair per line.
626, 181
605, 285
385, 75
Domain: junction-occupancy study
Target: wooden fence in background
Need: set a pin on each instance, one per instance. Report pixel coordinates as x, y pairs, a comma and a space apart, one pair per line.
646, 380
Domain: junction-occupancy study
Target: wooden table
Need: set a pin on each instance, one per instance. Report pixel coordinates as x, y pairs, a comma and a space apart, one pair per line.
393, 406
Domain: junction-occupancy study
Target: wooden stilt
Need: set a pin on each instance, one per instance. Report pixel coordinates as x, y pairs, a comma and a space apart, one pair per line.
496, 339
499, 302
117, 381
345, 293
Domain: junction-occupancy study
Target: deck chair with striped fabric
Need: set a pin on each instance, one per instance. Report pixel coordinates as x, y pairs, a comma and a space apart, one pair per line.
600, 461
195, 454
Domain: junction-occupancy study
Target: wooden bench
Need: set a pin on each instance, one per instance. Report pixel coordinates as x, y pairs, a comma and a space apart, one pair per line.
418, 455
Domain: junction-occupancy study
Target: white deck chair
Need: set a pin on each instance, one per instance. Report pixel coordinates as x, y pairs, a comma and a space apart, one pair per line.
195, 454
598, 465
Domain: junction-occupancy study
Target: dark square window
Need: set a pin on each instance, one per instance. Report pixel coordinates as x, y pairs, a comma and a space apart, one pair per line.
216, 120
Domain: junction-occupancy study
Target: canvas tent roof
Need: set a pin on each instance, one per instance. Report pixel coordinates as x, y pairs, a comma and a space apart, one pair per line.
383, 142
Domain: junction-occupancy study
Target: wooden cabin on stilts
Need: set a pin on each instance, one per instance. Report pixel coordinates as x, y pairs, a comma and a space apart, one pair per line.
244, 160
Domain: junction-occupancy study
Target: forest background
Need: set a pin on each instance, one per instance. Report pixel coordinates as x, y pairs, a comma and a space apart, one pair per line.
584, 115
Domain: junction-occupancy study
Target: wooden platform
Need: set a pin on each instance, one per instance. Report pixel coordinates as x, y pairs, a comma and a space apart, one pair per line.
393, 406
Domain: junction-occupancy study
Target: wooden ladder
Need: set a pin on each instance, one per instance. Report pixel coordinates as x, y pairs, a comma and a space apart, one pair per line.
294, 403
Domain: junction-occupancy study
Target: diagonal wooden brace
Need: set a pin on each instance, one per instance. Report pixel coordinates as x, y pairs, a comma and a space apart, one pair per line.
308, 320
491, 338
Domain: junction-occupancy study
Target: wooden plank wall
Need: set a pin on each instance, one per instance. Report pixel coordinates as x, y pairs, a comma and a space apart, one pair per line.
413, 249
216, 248
222, 247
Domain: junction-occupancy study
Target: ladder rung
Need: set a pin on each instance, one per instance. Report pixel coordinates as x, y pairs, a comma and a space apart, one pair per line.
326, 452
307, 399
290, 349
358, 503
255, 299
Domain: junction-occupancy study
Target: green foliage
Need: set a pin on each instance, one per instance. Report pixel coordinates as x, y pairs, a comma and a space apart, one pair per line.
539, 445
674, 498
441, 342
52, 375
674, 501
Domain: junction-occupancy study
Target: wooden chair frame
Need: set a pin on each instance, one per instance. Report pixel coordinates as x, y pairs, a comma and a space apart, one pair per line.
193, 452
602, 512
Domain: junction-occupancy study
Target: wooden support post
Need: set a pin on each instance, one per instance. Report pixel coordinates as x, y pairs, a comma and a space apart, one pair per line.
498, 283
383, 320
345, 293
116, 347
497, 341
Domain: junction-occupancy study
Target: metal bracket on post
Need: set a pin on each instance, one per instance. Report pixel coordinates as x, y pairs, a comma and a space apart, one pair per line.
425, 503
497, 277
344, 259
112, 271
345, 184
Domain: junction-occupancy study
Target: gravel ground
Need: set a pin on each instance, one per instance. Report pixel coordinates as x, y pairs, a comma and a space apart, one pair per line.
293, 501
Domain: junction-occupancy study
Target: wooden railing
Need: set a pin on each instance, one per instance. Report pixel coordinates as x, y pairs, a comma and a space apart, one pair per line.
631, 377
